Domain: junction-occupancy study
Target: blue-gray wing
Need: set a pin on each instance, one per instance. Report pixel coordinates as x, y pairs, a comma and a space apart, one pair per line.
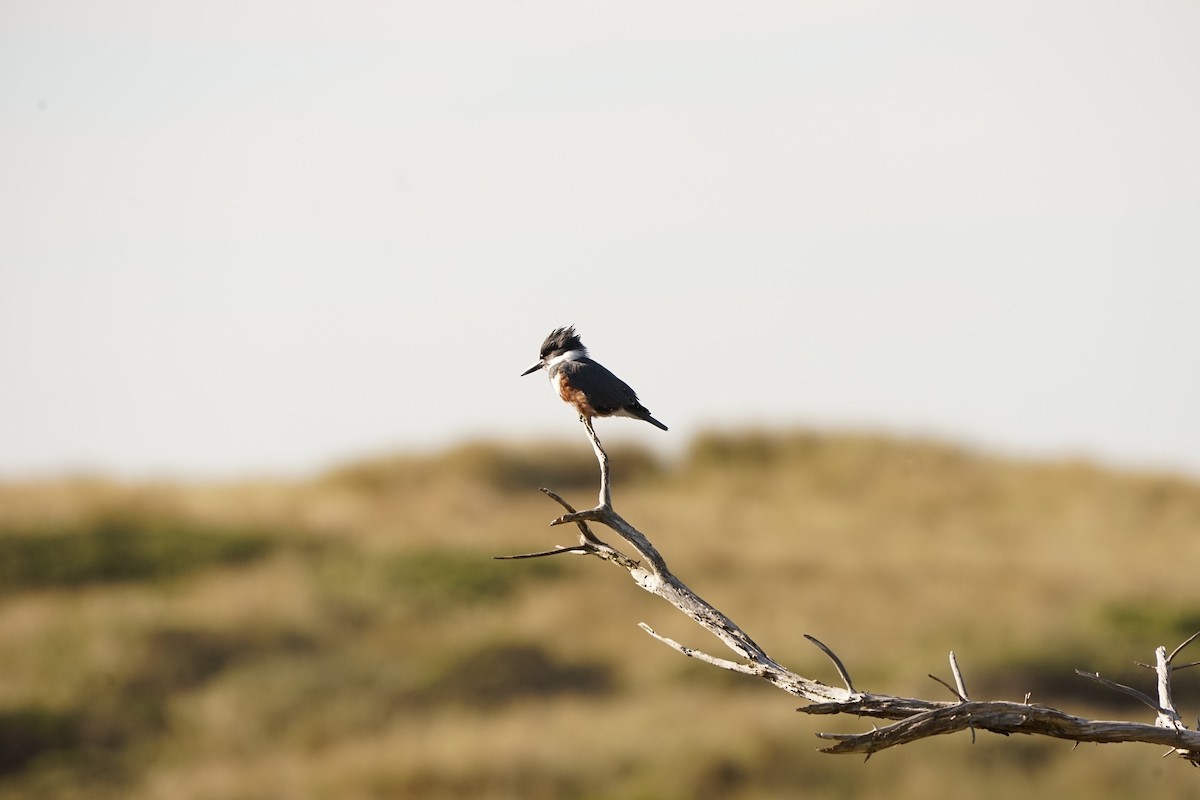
605, 392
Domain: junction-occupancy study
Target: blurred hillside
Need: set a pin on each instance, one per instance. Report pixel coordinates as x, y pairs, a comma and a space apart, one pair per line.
351, 637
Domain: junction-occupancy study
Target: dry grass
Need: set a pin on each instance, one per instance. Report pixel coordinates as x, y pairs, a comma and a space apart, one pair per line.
350, 637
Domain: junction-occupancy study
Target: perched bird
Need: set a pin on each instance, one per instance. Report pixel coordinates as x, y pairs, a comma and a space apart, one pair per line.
585, 384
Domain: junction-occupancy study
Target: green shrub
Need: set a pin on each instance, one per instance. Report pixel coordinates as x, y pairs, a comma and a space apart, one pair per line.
501, 467
425, 580
118, 548
27, 733
494, 674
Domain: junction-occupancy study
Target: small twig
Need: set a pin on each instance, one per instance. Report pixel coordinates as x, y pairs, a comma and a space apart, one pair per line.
958, 678
1186, 642
837, 662
589, 544
1120, 687
953, 691
700, 655
1171, 658
579, 548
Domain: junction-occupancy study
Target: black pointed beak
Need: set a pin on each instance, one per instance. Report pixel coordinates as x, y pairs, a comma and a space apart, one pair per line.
534, 368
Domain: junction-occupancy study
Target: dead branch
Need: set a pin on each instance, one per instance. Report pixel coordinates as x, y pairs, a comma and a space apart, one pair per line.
914, 719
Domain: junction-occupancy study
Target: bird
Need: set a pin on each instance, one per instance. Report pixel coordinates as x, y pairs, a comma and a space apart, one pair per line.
586, 384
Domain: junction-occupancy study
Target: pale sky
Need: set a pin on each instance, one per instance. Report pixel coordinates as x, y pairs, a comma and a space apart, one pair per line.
245, 238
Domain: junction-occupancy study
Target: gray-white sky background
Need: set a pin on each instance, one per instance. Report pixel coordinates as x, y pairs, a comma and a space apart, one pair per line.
265, 237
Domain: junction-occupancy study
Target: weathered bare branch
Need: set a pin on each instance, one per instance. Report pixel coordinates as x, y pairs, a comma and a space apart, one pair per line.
1008, 718
913, 718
